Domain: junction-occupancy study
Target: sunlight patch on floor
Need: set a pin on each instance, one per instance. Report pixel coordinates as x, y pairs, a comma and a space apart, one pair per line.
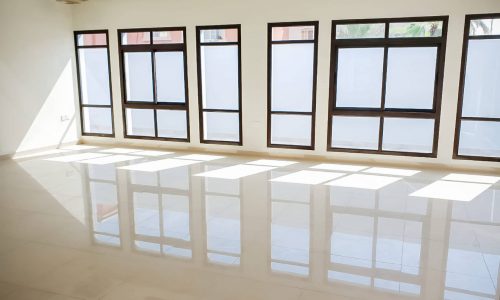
362, 181
308, 177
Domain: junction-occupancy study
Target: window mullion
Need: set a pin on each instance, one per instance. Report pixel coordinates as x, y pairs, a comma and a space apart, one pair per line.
384, 86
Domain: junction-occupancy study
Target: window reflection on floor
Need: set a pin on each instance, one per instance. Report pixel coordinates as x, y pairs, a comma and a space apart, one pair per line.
474, 237
376, 237
161, 212
101, 190
222, 205
290, 226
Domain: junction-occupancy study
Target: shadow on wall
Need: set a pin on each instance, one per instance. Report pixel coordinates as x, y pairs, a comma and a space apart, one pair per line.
37, 97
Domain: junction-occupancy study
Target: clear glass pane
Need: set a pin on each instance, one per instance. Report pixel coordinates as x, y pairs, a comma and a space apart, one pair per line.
170, 77
485, 27
140, 122
291, 130
397, 138
172, 123
411, 75
139, 76
292, 77
221, 126
355, 132
416, 29
359, 77
360, 31
482, 79
479, 138
219, 76
219, 35
293, 33
136, 38
94, 76
97, 120
92, 39
168, 37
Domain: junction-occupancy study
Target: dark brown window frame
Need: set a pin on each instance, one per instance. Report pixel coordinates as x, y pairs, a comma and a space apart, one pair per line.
270, 42
153, 48
459, 118
77, 47
382, 112
201, 110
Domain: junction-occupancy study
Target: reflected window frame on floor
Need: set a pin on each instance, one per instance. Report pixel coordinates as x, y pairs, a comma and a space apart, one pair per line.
205, 192
272, 199
375, 213
157, 189
87, 192
471, 224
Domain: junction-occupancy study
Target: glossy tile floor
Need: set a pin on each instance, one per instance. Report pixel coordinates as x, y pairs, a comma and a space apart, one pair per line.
93, 223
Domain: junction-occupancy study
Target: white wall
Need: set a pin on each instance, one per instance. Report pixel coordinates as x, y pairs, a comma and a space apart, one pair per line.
36, 75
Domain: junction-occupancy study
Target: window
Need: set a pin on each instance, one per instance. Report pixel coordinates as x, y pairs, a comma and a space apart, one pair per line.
219, 84
385, 82
94, 83
291, 86
154, 83
477, 134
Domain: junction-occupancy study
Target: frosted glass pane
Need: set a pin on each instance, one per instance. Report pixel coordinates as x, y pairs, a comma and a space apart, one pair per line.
219, 71
94, 76
171, 123
140, 122
397, 135
355, 132
360, 31
97, 120
482, 79
221, 126
292, 77
170, 77
359, 79
291, 130
138, 76
480, 138
411, 74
